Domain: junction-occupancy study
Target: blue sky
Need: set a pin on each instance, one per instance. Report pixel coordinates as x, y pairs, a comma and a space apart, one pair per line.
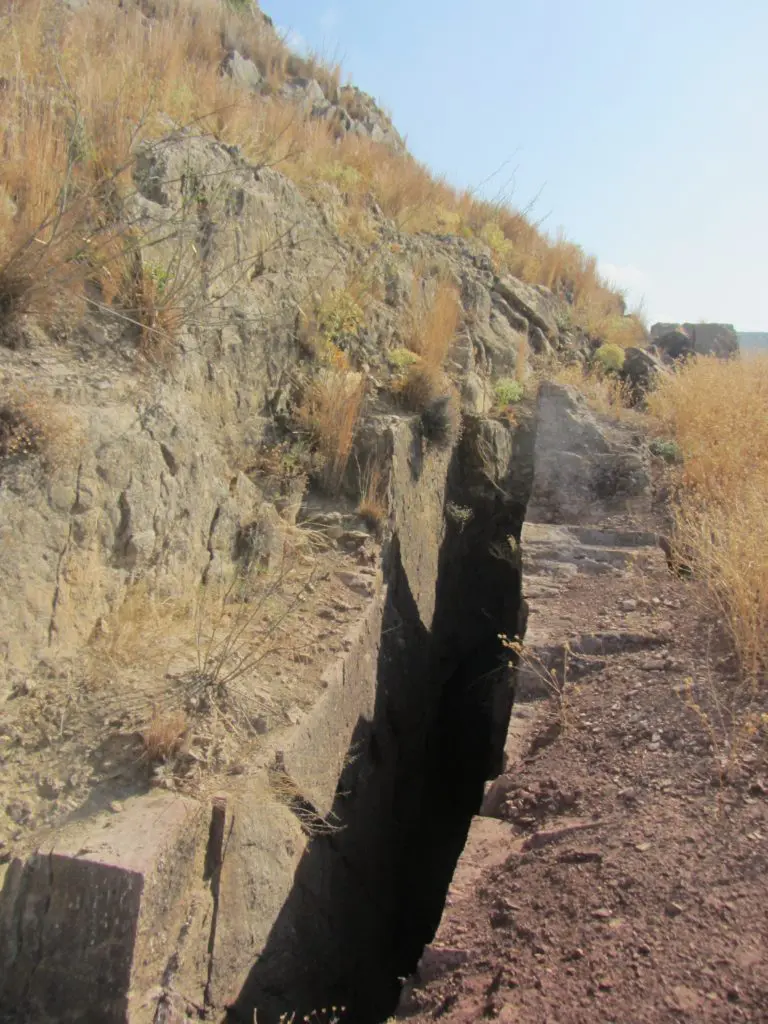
640, 124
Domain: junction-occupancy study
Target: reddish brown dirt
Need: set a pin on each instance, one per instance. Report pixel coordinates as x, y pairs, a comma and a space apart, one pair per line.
658, 909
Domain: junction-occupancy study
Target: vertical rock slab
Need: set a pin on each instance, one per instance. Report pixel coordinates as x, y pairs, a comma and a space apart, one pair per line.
584, 465
89, 925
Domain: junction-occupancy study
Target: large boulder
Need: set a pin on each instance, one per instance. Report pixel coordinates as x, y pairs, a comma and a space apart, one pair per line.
641, 371
675, 344
583, 465
535, 303
719, 340
677, 341
243, 71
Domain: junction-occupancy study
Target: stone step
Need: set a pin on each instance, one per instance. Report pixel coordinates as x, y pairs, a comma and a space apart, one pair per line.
565, 535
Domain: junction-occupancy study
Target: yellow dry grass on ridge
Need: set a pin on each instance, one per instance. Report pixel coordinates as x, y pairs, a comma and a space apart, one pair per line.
84, 87
718, 413
606, 393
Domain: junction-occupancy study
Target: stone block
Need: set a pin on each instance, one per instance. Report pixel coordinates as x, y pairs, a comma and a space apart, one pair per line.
89, 922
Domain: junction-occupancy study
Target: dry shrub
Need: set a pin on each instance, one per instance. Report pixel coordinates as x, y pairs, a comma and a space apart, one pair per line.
420, 386
33, 425
373, 505
605, 393
164, 735
144, 629
441, 421
157, 301
434, 320
329, 413
716, 411
19, 433
600, 320
210, 653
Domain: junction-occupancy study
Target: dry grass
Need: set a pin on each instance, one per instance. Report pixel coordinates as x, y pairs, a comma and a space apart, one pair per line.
434, 319
716, 411
373, 505
210, 654
164, 735
84, 88
420, 386
156, 300
604, 393
329, 413
34, 425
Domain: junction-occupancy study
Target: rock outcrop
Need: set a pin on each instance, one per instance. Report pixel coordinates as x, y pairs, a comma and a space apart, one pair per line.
252, 704
149, 498
677, 340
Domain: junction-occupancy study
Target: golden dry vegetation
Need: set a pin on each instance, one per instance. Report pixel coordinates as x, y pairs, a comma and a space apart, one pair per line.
82, 89
717, 413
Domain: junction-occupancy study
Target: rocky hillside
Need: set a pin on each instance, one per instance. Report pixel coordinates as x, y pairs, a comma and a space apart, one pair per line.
204, 301
267, 406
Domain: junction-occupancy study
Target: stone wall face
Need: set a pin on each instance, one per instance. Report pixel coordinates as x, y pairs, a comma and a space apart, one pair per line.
705, 339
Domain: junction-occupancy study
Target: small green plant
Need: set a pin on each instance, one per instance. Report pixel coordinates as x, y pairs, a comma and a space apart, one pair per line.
667, 450
284, 460
610, 358
401, 359
339, 318
494, 237
508, 391
459, 514
346, 178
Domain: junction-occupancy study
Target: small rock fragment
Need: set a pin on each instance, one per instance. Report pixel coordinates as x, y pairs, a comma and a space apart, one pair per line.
18, 811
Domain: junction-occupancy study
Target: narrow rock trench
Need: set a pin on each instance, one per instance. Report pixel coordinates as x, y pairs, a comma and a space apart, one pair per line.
368, 896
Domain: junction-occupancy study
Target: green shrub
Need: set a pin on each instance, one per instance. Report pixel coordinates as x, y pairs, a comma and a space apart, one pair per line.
402, 359
610, 357
669, 451
508, 391
339, 317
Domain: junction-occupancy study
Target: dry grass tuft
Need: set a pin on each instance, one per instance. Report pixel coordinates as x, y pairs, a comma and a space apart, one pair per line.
434, 320
605, 393
329, 413
156, 301
373, 506
164, 735
33, 425
441, 421
420, 386
716, 412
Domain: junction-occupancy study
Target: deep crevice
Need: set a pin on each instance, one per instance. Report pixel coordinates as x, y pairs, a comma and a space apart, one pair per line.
368, 898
